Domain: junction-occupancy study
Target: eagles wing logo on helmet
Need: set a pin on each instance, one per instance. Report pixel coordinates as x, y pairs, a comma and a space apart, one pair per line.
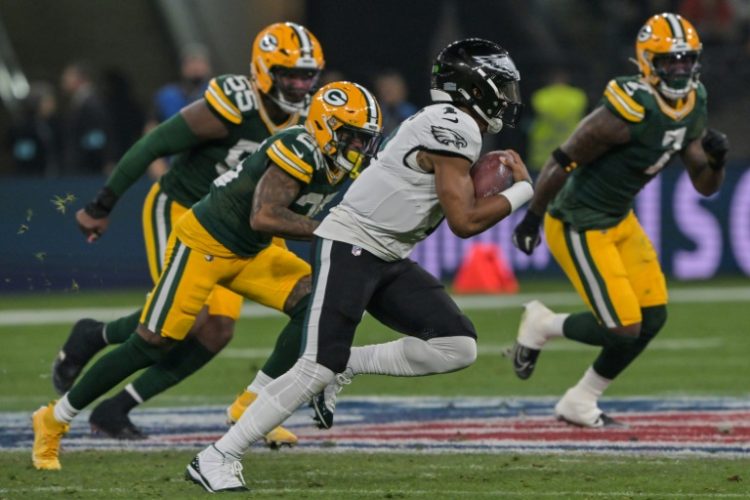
446, 136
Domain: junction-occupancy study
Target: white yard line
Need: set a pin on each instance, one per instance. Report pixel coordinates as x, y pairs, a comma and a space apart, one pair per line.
13, 317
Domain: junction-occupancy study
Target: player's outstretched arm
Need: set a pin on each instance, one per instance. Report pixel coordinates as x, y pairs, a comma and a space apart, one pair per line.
194, 125
274, 194
467, 215
705, 158
599, 131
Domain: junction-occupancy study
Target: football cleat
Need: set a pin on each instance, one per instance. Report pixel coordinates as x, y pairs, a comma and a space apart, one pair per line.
108, 419
530, 338
277, 438
84, 341
216, 471
324, 403
580, 409
47, 435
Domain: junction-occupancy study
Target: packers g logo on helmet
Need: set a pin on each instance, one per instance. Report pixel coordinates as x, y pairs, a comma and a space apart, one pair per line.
268, 43
284, 51
346, 123
335, 97
667, 51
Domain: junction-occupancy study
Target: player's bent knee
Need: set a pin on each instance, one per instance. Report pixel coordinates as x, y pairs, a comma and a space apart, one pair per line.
456, 352
154, 339
627, 332
215, 333
654, 319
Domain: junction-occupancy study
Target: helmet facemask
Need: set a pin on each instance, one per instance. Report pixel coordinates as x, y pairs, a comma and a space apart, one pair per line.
502, 105
677, 72
292, 87
349, 151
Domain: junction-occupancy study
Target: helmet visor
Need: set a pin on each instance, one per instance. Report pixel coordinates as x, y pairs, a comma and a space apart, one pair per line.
509, 105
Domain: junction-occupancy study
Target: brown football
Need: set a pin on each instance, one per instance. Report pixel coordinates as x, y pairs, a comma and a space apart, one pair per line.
490, 174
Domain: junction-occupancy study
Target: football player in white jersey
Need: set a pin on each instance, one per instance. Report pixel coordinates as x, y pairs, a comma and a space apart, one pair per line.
418, 178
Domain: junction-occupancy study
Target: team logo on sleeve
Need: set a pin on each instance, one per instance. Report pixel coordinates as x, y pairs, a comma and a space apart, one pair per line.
447, 136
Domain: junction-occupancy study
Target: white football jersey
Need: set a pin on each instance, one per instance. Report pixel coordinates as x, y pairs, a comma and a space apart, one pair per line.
393, 205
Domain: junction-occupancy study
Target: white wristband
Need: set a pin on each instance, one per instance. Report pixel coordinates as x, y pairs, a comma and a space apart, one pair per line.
518, 194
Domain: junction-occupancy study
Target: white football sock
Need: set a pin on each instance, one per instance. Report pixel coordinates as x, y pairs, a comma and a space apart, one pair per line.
259, 382
275, 403
553, 327
410, 356
64, 411
592, 383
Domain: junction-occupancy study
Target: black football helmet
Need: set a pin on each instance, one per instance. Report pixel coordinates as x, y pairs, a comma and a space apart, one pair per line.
480, 75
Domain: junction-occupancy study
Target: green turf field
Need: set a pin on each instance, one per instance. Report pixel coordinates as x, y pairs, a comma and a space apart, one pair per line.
702, 351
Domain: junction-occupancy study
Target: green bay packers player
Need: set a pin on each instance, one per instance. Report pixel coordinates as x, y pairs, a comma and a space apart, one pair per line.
208, 138
226, 240
587, 189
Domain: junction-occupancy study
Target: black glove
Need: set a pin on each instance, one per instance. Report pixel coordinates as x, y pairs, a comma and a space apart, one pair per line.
716, 145
102, 204
526, 234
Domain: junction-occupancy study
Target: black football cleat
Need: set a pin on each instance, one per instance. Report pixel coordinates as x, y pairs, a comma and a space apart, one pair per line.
109, 419
84, 341
524, 360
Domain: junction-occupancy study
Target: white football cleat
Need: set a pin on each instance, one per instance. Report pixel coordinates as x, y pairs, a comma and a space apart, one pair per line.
578, 408
530, 339
216, 471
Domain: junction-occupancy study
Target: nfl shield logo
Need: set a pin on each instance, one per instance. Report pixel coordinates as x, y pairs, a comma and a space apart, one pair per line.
356, 251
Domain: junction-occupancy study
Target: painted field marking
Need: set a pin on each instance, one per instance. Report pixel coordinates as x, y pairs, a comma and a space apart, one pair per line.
478, 302
710, 427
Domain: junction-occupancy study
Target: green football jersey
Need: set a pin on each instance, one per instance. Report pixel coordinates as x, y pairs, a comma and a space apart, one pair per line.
225, 212
233, 100
600, 194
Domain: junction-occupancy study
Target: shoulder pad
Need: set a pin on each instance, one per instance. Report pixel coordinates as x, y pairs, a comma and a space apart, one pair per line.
623, 96
230, 96
294, 154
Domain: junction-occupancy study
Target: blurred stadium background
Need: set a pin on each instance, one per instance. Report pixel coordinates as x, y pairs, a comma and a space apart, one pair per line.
140, 43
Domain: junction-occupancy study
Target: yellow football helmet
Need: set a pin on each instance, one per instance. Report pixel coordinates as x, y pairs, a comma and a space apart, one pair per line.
286, 62
667, 52
346, 122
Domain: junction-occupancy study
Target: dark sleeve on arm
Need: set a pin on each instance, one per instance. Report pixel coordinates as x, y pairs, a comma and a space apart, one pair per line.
170, 137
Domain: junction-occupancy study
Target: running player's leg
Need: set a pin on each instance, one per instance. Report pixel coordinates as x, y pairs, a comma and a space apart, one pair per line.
593, 262
649, 285
169, 313
89, 336
342, 286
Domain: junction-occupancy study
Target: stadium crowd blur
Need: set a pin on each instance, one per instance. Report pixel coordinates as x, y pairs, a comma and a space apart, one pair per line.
83, 122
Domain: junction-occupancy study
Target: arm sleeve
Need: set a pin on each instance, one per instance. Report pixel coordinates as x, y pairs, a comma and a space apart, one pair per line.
171, 137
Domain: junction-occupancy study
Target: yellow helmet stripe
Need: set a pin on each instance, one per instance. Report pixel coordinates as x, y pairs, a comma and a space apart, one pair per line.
623, 103
289, 162
222, 104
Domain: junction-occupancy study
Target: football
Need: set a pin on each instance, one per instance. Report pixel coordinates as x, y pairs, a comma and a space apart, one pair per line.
490, 174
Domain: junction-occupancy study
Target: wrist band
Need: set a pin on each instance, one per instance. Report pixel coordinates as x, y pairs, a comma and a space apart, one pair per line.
565, 161
518, 194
